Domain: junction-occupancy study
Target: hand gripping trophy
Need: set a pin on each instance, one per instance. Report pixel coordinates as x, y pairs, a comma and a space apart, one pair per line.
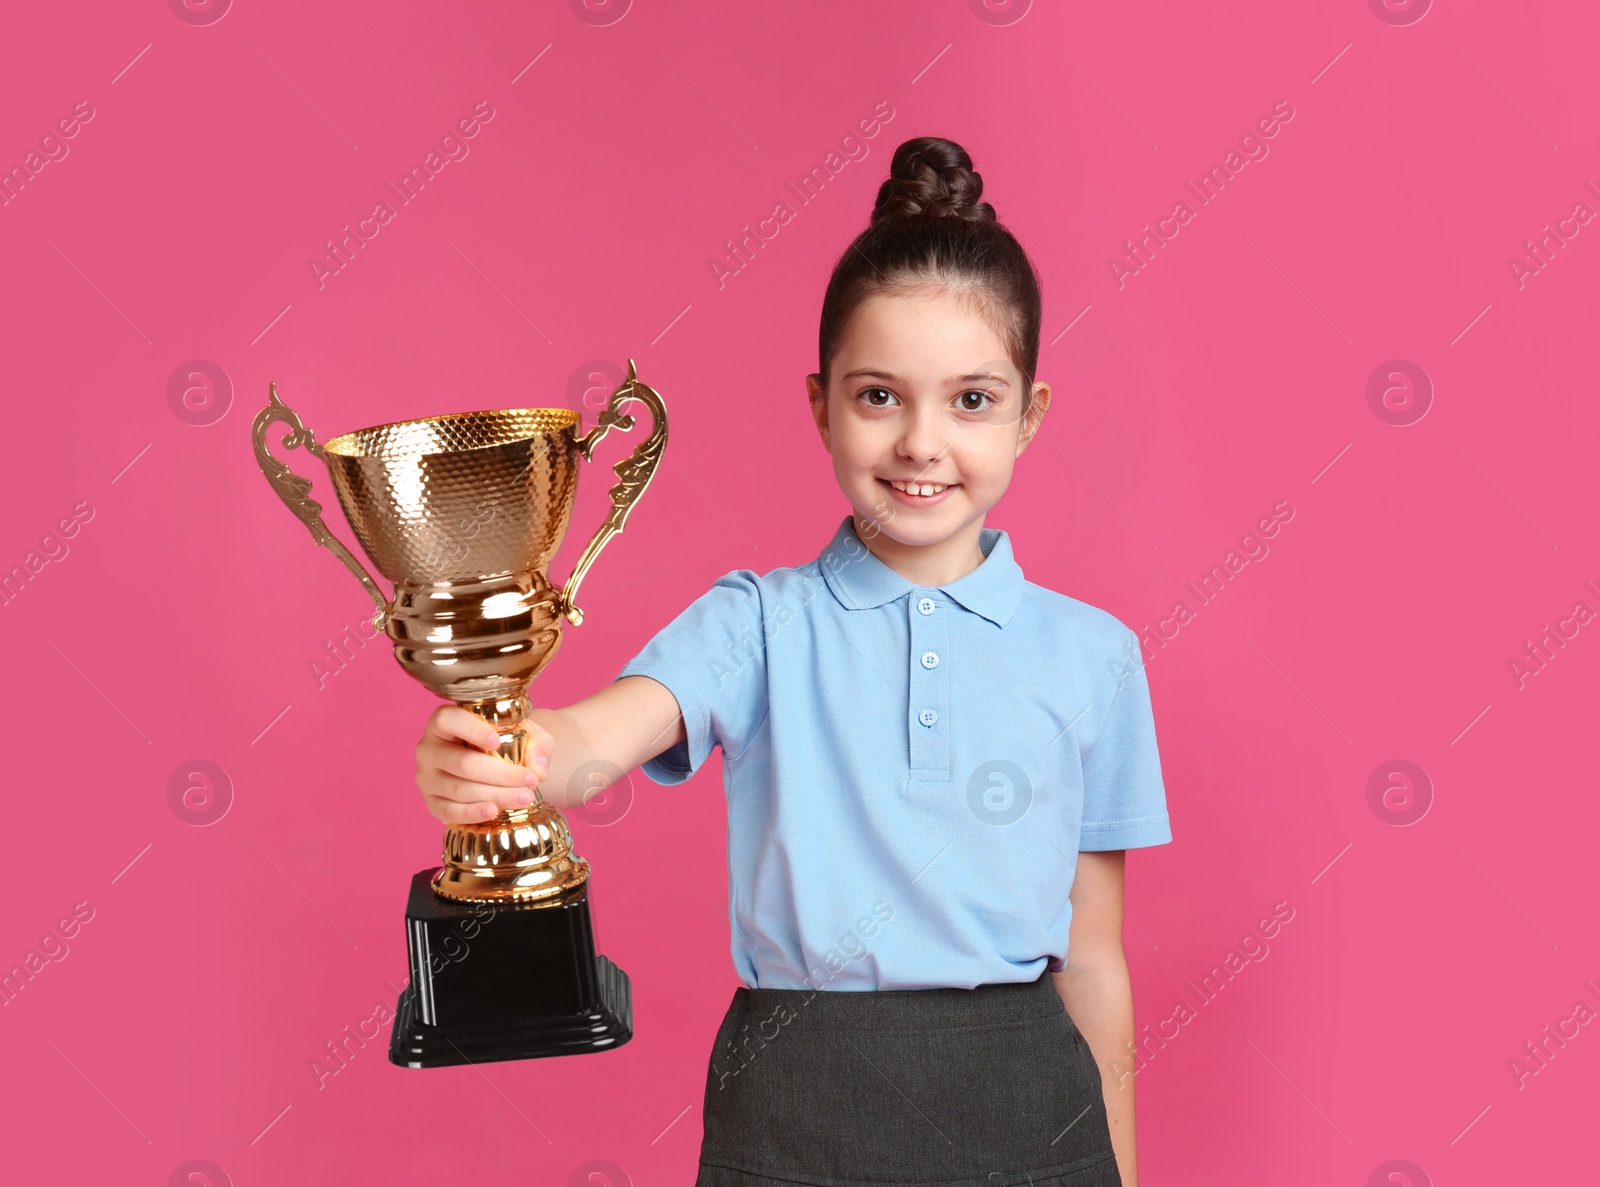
463, 513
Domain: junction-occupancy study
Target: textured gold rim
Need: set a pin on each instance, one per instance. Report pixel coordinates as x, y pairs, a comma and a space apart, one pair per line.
356, 444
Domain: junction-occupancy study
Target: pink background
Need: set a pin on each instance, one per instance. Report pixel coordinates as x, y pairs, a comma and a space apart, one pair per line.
1228, 376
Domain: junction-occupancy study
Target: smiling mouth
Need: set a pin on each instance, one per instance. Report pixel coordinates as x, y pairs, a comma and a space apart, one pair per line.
919, 494
919, 488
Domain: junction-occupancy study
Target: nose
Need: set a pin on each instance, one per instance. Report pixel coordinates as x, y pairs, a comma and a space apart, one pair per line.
923, 439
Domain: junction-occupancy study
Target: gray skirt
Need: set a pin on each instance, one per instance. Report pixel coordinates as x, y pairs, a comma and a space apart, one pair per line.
985, 1087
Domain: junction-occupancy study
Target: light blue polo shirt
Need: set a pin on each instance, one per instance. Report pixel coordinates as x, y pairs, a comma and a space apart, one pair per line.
910, 771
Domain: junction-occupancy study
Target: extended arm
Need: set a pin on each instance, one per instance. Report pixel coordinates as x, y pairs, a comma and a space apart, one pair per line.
623, 725
574, 751
1098, 995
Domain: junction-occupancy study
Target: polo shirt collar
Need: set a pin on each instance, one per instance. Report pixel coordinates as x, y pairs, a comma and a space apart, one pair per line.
861, 581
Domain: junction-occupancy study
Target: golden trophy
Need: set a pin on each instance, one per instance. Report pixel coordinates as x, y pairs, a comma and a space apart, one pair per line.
463, 513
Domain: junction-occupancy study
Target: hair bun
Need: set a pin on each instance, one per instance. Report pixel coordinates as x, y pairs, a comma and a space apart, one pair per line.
931, 177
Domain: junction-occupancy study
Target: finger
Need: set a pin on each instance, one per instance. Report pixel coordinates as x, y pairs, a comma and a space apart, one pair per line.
459, 758
466, 791
540, 737
477, 767
541, 744
453, 723
451, 812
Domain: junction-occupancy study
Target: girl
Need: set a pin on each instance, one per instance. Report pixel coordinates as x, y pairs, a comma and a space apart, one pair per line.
932, 766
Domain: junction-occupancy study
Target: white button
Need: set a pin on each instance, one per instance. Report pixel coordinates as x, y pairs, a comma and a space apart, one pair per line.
925, 605
927, 717
930, 659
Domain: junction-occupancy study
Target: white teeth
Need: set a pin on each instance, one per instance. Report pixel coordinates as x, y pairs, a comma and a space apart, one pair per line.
917, 488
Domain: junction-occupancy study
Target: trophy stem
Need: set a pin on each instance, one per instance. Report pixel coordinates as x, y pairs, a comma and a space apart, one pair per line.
509, 719
522, 856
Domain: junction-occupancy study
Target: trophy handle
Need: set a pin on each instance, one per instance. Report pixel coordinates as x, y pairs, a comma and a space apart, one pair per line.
296, 491
635, 471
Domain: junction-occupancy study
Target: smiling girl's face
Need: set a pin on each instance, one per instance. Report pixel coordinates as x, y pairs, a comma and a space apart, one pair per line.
923, 416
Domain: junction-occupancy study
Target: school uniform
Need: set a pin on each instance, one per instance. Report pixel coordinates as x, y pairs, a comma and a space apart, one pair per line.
910, 772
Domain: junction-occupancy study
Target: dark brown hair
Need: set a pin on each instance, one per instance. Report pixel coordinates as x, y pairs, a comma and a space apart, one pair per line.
930, 227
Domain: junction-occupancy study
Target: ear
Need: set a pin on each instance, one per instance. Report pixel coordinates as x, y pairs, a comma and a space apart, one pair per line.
819, 408
1035, 415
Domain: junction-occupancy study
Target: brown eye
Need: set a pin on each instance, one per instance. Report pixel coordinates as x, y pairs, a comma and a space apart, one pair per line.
868, 395
984, 400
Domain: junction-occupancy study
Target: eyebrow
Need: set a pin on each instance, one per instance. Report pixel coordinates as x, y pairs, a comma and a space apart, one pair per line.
889, 376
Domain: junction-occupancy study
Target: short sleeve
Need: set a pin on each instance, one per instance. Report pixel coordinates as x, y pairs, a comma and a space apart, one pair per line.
713, 659
1124, 799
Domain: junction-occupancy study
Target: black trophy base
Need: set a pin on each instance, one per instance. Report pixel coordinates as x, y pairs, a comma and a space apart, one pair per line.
497, 983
